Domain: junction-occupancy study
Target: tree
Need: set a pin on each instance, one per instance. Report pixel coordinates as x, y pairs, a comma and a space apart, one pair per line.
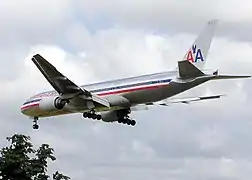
20, 161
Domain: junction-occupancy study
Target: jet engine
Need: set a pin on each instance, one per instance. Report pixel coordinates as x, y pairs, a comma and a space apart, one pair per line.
120, 116
110, 116
52, 103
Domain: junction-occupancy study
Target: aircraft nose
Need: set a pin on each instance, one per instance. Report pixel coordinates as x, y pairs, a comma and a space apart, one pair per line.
30, 107
23, 108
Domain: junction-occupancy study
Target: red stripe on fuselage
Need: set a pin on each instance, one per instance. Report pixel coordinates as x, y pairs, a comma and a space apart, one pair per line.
29, 106
107, 93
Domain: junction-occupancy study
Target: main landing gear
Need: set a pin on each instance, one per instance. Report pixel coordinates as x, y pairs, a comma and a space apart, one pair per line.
35, 125
123, 117
127, 120
92, 115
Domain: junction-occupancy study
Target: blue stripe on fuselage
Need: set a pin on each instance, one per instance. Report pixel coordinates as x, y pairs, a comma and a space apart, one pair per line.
31, 101
94, 88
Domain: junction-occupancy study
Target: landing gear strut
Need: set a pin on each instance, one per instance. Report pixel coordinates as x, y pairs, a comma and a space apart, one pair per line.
35, 125
123, 117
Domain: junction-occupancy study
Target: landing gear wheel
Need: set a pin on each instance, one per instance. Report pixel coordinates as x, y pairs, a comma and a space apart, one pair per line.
35, 126
124, 121
89, 115
128, 121
133, 122
98, 117
85, 114
92, 115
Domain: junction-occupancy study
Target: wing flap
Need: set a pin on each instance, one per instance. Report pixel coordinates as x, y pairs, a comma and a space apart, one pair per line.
100, 100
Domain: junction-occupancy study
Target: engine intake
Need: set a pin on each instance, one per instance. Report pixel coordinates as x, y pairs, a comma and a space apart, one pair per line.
59, 103
52, 103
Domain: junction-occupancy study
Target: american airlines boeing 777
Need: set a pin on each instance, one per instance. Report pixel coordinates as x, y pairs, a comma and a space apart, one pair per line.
113, 101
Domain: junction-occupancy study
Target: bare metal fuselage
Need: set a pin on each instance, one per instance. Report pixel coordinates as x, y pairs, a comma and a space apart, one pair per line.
123, 93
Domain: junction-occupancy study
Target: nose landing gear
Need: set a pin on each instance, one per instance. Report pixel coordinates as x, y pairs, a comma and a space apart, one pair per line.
35, 125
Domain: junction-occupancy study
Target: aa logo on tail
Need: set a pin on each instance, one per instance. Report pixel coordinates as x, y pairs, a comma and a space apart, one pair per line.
194, 55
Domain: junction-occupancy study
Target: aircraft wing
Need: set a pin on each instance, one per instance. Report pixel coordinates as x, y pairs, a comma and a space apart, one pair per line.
65, 87
188, 100
168, 102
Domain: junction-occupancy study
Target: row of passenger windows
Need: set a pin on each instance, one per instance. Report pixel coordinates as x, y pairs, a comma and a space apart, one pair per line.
131, 85
111, 88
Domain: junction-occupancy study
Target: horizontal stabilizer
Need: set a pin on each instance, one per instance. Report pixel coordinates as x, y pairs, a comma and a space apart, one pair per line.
188, 70
229, 77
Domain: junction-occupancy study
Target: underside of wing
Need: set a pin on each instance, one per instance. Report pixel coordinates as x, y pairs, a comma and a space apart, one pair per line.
65, 87
188, 100
58, 81
168, 102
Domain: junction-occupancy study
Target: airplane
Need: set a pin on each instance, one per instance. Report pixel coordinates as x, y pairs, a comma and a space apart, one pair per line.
114, 100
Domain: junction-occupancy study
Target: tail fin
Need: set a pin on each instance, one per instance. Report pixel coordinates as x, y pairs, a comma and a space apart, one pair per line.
198, 52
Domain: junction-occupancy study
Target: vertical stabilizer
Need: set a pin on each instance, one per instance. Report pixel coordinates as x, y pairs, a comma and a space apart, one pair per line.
198, 52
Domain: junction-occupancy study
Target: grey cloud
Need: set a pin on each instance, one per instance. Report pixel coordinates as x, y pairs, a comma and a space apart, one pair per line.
179, 142
174, 16
20, 21
238, 31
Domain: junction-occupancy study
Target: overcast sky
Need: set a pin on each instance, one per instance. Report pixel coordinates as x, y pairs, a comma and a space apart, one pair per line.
92, 40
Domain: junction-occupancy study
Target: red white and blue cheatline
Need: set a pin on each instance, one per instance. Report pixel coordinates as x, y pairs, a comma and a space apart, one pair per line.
104, 91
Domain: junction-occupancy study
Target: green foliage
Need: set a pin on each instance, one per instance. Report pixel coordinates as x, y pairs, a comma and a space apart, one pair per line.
17, 163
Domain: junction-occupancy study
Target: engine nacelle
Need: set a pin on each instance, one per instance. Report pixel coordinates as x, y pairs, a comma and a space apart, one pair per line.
51, 104
112, 116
